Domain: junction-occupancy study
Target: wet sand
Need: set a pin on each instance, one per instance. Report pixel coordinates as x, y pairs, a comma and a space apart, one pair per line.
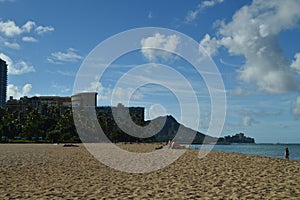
32, 171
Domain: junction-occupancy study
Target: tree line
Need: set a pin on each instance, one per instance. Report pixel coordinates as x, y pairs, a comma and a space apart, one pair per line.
31, 125
51, 125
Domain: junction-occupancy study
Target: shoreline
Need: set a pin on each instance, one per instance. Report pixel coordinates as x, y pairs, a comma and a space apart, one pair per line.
148, 147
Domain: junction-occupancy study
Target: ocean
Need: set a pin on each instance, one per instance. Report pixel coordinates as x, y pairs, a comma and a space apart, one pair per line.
268, 150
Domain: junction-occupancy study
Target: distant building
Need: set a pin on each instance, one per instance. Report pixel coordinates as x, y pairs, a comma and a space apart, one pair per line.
40, 103
84, 99
3, 83
89, 99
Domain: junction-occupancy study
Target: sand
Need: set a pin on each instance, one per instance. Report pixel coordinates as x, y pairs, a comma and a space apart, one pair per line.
32, 171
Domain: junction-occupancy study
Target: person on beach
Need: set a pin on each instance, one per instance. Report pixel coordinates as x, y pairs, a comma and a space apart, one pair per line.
287, 153
172, 144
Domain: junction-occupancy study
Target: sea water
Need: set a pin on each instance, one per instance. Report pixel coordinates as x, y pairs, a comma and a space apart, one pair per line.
268, 150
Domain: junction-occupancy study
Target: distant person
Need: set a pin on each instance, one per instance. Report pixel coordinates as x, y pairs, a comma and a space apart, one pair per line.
172, 144
287, 153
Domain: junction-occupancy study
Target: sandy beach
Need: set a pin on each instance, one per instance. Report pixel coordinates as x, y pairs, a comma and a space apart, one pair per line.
42, 171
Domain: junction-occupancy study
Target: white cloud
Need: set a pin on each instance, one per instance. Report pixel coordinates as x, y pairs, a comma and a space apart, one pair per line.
12, 45
209, 45
17, 92
29, 39
192, 15
21, 67
60, 57
253, 33
248, 116
296, 63
43, 29
9, 28
96, 86
123, 95
28, 26
51, 60
10, 32
296, 107
156, 46
26, 88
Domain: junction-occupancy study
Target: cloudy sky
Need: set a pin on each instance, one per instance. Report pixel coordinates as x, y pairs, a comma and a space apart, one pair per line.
254, 44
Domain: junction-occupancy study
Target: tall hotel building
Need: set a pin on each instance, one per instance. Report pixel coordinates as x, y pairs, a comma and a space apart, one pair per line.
3, 83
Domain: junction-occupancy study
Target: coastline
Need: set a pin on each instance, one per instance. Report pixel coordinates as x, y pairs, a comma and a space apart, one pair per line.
35, 171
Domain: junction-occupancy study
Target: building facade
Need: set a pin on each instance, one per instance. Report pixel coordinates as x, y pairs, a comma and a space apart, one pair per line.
84, 99
79, 100
40, 103
89, 99
3, 83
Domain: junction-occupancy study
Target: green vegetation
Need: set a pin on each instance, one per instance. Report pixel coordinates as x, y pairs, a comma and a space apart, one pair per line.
52, 125
115, 134
31, 126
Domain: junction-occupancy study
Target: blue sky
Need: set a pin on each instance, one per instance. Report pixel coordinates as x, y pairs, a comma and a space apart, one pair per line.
255, 45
